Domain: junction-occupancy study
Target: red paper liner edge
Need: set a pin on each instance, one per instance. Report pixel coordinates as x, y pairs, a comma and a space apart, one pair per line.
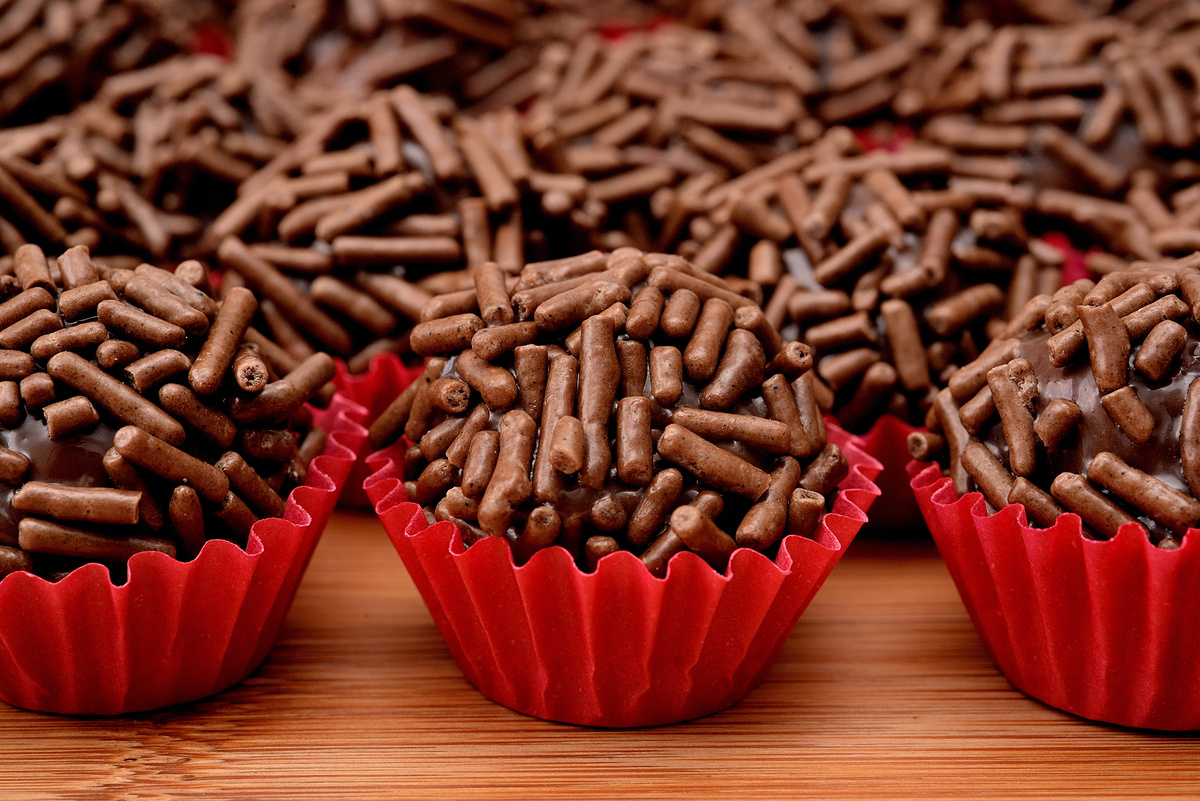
175, 631
887, 441
385, 378
1102, 629
617, 647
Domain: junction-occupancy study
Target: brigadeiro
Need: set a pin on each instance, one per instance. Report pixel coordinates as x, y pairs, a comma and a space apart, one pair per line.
162, 488
1065, 494
617, 465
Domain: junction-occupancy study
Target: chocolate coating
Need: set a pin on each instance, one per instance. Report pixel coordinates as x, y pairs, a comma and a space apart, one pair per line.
1097, 432
76, 461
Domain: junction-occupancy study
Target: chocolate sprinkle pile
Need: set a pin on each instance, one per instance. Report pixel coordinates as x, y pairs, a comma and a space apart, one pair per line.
723, 141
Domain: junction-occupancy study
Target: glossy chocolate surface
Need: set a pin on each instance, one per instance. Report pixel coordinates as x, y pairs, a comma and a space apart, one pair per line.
1097, 432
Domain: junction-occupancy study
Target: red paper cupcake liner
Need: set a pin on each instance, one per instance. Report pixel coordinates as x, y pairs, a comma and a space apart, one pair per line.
174, 631
385, 378
1102, 629
617, 647
887, 441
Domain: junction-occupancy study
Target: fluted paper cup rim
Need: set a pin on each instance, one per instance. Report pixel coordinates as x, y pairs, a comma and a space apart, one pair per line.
295, 512
926, 474
864, 468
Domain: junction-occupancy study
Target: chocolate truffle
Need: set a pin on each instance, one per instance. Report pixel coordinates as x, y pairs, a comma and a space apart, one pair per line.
135, 416
1093, 409
655, 408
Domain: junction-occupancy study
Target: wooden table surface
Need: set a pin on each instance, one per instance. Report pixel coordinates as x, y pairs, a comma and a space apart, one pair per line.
882, 690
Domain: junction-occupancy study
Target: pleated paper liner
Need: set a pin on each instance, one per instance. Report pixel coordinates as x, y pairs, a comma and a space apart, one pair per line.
617, 647
175, 631
385, 378
887, 441
1106, 630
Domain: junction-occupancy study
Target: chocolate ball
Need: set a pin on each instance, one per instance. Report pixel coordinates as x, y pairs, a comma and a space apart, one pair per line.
1091, 409
134, 416
614, 401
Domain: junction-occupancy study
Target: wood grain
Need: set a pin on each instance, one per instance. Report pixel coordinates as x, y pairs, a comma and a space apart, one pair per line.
883, 690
